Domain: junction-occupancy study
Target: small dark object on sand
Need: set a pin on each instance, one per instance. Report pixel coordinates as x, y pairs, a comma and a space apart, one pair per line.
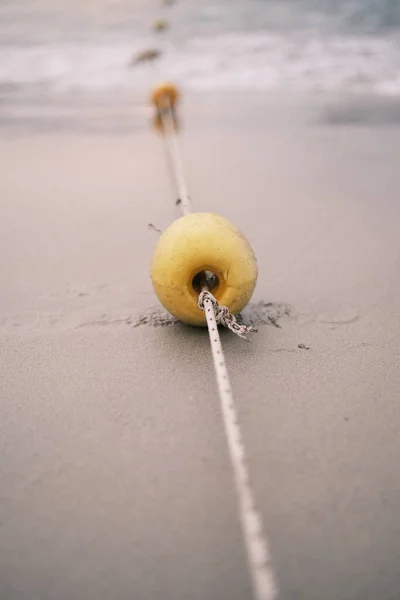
154, 228
145, 56
303, 347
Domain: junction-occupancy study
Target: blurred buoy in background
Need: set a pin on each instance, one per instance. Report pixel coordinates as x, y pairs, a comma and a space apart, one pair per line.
160, 25
145, 56
164, 96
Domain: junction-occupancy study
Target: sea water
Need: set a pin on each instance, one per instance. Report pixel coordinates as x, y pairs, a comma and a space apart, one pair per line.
284, 45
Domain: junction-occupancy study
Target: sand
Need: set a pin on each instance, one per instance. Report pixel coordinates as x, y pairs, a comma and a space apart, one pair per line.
115, 480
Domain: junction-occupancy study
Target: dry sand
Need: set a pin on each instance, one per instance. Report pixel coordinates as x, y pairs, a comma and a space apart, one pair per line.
115, 480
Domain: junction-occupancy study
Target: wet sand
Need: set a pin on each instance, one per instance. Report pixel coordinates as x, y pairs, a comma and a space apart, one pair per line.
115, 480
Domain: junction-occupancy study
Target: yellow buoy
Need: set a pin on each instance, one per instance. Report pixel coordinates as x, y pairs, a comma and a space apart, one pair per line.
196, 243
164, 96
160, 25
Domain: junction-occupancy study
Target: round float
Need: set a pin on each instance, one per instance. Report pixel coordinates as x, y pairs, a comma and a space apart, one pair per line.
164, 96
195, 244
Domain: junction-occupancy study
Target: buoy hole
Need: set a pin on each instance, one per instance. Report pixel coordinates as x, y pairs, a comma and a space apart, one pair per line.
204, 277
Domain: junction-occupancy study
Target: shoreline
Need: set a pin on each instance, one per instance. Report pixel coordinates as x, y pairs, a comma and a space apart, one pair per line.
124, 112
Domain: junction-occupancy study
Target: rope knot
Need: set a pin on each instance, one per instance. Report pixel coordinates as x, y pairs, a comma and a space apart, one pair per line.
223, 316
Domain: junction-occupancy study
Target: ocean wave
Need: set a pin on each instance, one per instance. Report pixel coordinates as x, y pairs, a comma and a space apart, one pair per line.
225, 61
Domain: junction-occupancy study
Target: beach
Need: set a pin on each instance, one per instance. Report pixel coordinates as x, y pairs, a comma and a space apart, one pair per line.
115, 478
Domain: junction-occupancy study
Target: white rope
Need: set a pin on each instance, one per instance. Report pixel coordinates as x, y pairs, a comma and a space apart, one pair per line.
259, 562
261, 572
173, 151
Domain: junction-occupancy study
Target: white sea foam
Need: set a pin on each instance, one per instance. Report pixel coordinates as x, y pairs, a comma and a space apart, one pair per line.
242, 44
226, 61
